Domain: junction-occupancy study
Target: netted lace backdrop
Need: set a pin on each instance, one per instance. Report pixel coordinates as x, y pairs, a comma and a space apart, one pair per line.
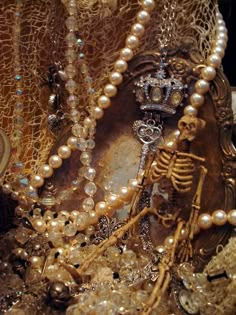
103, 26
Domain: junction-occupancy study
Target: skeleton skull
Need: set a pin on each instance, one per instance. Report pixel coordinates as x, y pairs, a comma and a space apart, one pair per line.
189, 126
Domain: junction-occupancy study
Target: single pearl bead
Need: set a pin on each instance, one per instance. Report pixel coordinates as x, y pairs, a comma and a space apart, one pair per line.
92, 217
116, 78
219, 50
223, 36
72, 143
90, 230
138, 30
132, 41
35, 262
126, 193
114, 201
98, 112
55, 161
148, 5
232, 217
101, 208
53, 225
190, 111
36, 181
219, 217
126, 54
169, 241
110, 90
88, 122
143, 17
208, 73
39, 225
46, 171
221, 42
202, 86
214, 60
64, 152
121, 65
6, 189
197, 99
222, 29
133, 184
205, 221
160, 249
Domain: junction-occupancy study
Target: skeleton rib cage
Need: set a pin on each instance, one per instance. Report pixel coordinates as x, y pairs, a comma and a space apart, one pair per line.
176, 166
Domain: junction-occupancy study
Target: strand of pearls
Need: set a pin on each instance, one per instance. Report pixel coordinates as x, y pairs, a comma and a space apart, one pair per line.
218, 217
207, 74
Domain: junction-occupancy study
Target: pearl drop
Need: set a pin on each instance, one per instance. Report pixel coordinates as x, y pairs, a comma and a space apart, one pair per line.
36, 181
126, 194
190, 111
110, 90
46, 171
55, 161
98, 112
72, 143
232, 217
202, 86
219, 217
137, 29
169, 241
101, 208
114, 201
121, 65
116, 78
39, 225
148, 5
143, 17
104, 101
196, 99
126, 54
64, 152
205, 221
208, 73
214, 60
6, 189
132, 41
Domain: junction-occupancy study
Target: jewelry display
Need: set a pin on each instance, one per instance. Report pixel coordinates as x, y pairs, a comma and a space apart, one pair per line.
77, 246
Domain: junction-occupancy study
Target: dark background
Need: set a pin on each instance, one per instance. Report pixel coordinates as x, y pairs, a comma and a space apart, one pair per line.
228, 9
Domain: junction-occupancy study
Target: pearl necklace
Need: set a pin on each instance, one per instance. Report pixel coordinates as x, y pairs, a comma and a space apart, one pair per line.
125, 194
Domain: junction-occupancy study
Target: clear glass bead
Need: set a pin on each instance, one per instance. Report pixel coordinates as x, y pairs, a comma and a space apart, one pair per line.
71, 86
90, 189
86, 158
71, 23
70, 230
71, 39
90, 144
82, 144
72, 101
90, 173
78, 131
71, 55
71, 71
88, 204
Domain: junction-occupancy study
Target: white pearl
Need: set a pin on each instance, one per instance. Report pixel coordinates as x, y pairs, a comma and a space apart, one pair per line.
219, 217
98, 112
143, 17
133, 184
6, 189
218, 50
214, 60
126, 54
137, 29
55, 161
92, 217
205, 221
197, 99
35, 262
160, 249
132, 41
126, 193
39, 225
116, 78
72, 143
222, 29
104, 101
64, 152
190, 111
36, 181
110, 90
232, 217
101, 208
114, 201
121, 65
208, 73
169, 242
46, 171
202, 86
221, 42
222, 36
148, 5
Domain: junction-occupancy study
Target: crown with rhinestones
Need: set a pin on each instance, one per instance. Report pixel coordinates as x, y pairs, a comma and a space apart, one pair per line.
159, 92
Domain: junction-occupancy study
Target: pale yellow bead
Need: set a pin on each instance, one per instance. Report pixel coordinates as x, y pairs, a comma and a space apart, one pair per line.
232, 217
137, 30
120, 65
98, 112
110, 90
46, 171
126, 54
104, 101
190, 111
214, 60
36, 181
114, 201
55, 161
39, 225
92, 217
64, 152
205, 221
169, 242
101, 208
219, 217
143, 17
132, 41
197, 100
116, 78
202, 86
126, 193
72, 143
148, 5
36, 262
208, 73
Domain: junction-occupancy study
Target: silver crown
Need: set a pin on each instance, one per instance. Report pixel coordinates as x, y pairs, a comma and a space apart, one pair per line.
159, 93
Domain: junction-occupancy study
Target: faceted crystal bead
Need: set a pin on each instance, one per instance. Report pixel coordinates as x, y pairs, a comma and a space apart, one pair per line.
71, 71
86, 158
72, 101
90, 173
88, 204
90, 144
71, 39
75, 115
71, 86
71, 23
70, 229
78, 131
19, 107
71, 55
90, 189
82, 144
